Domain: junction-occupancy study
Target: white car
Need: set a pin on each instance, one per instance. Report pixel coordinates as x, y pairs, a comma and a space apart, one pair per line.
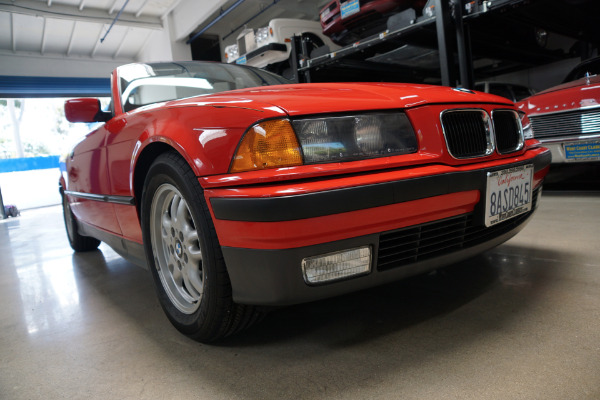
271, 44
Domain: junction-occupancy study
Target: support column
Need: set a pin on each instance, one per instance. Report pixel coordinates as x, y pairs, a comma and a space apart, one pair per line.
2, 211
443, 24
463, 44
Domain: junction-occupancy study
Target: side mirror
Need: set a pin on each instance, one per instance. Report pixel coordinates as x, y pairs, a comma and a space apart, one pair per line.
85, 110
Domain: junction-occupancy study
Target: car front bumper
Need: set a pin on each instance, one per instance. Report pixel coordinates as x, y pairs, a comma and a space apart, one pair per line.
265, 239
333, 22
265, 55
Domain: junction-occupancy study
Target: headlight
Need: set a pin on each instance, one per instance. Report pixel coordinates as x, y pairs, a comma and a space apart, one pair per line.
332, 139
262, 35
268, 144
231, 52
280, 143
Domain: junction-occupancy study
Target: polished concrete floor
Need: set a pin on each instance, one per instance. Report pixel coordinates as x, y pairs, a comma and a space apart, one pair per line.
519, 322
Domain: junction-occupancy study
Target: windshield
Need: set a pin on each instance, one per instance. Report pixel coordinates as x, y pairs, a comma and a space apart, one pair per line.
143, 84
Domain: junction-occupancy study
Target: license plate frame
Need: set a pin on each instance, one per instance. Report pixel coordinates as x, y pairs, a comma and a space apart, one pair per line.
588, 150
509, 193
349, 8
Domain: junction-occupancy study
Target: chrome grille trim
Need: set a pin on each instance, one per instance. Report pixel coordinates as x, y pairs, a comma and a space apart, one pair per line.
468, 133
471, 133
568, 123
508, 131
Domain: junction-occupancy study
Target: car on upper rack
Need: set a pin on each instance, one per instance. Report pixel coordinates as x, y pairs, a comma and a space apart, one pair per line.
566, 118
270, 47
239, 190
347, 21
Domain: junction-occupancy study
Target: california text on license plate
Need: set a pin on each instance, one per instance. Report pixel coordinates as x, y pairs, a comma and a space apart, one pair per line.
509, 193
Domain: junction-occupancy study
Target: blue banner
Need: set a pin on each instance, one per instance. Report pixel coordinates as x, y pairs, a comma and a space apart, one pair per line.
28, 164
36, 86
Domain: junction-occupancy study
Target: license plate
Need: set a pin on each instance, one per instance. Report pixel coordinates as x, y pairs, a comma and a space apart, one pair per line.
509, 193
349, 8
582, 151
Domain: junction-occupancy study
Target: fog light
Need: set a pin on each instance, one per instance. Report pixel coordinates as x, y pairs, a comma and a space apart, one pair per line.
339, 265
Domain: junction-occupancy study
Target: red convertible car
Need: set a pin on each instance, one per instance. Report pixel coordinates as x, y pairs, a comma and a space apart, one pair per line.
238, 190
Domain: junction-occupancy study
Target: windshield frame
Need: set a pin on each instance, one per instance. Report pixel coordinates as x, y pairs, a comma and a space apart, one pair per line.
169, 74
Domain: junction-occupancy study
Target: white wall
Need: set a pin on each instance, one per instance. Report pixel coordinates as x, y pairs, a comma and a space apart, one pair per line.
41, 189
191, 13
163, 47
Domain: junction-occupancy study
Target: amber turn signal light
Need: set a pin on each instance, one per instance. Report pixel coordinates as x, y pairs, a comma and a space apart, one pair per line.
268, 144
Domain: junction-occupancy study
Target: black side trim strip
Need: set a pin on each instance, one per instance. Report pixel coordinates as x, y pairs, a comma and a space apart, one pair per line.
128, 249
311, 205
126, 200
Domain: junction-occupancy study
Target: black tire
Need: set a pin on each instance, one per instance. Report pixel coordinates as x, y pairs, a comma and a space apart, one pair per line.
78, 242
184, 255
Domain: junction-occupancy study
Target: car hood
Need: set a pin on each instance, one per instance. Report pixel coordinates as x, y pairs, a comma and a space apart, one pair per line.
300, 99
580, 93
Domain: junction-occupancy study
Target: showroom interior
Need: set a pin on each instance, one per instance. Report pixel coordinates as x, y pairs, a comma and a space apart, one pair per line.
520, 320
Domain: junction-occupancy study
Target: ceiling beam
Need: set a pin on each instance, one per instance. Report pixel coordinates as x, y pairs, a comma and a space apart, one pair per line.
173, 5
72, 13
97, 42
13, 39
121, 44
137, 56
44, 37
113, 7
141, 9
72, 39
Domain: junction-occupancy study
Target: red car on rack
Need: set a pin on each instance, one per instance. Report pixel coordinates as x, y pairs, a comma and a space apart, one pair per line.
345, 21
237, 189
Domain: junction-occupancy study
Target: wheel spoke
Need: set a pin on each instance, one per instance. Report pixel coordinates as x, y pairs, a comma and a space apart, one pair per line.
194, 279
173, 210
190, 235
166, 224
192, 244
187, 280
175, 272
195, 254
177, 276
182, 212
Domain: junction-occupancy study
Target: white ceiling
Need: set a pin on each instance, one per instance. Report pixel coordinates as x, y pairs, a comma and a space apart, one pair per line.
81, 29
78, 28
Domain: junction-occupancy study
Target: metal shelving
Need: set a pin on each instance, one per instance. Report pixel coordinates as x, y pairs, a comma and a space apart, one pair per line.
460, 32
